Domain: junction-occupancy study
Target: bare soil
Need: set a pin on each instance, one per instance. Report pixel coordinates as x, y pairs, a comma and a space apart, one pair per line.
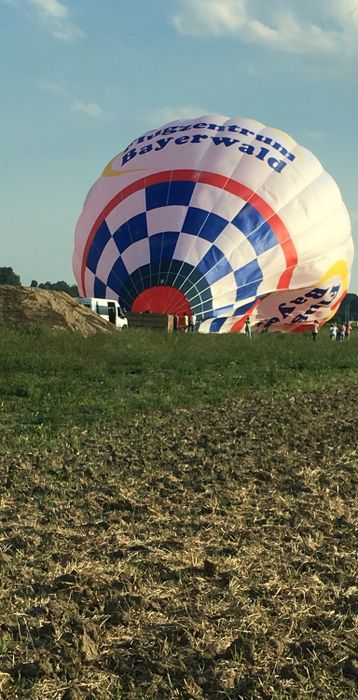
21, 307
195, 555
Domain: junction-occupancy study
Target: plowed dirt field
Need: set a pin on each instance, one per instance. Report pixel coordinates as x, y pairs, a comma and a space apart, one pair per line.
203, 554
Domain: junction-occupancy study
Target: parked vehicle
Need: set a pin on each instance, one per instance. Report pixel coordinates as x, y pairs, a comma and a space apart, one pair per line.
109, 309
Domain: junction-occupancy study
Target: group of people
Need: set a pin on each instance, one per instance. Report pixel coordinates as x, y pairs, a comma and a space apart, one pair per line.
337, 331
187, 323
340, 331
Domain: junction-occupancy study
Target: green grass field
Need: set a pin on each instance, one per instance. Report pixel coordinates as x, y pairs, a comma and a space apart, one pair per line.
178, 517
50, 381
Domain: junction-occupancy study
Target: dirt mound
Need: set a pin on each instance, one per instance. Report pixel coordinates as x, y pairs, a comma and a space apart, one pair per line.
28, 306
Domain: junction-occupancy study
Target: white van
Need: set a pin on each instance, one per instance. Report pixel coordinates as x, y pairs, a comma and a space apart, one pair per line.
109, 309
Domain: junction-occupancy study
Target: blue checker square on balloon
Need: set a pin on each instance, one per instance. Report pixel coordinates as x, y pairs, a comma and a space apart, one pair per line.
162, 245
248, 278
126, 297
207, 309
243, 309
180, 192
199, 222
156, 196
99, 288
256, 229
118, 274
146, 275
137, 280
168, 194
155, 272
138, 227
223, 310
165, 265
205, 294
192, 279
122, 237
93, 258
176, 266
216, 324
214, 265
133, 230
212, 227
194, 220
99, 242
194, 299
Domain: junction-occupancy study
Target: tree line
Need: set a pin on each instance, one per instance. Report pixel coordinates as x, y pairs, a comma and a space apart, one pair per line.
348, 310
8, 276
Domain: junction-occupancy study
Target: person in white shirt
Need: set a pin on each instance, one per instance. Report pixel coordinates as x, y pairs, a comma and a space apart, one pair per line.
333, 331
192, 322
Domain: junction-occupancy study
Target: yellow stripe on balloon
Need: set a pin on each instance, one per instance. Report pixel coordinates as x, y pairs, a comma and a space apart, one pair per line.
338, 269
295, 147
109, 171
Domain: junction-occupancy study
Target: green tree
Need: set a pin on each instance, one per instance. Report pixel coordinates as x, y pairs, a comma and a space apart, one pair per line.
348, 310
60, 286
8, 276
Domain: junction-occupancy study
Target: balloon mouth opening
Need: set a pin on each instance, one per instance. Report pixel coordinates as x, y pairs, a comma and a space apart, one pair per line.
162, 299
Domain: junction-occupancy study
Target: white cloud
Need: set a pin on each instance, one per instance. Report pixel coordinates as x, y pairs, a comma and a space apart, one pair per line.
313, 135
55, 16
213, 17
344, 11
52, 87
52, 8
60, 88
92, 109
286, 25
250, 69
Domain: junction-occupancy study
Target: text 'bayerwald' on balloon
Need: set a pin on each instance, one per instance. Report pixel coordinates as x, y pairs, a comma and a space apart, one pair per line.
224, 218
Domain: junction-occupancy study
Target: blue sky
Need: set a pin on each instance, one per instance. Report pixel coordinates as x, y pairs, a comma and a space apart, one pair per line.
80, 79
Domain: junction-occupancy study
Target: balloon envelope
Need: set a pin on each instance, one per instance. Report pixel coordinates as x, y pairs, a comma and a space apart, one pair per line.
219, 217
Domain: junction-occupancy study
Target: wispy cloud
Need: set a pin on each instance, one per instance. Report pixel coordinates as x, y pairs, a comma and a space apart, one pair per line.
53, 15
52, 87
313, 135
345, 12
60, 88
321, 27
92, 109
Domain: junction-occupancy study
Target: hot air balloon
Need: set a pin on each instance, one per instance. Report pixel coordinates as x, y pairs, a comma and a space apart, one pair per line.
224, 218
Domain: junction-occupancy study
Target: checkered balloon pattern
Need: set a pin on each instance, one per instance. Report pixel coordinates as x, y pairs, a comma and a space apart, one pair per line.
213, 242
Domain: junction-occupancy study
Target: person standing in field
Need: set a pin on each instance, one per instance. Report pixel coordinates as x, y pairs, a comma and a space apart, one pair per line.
340, 333
315, 330
248, 327
347, 330
192, 322
333, 331
186, 323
